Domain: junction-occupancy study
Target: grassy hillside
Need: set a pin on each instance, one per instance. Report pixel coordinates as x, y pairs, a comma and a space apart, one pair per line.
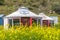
37, 6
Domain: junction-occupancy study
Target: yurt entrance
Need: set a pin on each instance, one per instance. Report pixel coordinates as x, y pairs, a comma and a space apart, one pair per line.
26, 21
46, 23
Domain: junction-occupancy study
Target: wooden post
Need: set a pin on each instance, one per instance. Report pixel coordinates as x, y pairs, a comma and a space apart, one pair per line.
20, 21
12, 22
41, 22
48, 23
37, 22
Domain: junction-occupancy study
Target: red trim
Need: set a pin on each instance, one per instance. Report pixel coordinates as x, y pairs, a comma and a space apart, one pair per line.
30, 21
49, 23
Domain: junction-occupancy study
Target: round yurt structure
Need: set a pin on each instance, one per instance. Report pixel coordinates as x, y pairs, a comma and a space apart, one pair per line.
45, 20
20, 17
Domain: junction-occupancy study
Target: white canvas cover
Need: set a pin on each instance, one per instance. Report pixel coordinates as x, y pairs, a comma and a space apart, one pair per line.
22, 12
47, 18
1, 15
44, 17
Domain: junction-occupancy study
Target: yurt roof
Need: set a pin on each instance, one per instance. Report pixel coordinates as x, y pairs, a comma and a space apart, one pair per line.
47, 18
1, 15
44, 17
22, 12
41, 15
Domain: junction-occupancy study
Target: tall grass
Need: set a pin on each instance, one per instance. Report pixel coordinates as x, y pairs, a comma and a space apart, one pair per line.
30, 33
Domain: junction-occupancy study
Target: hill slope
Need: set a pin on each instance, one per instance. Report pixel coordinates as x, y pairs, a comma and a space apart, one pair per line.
9, 6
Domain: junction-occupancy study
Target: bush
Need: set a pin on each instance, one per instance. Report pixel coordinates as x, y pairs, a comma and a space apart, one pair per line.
56, 8
57, 26
1, 2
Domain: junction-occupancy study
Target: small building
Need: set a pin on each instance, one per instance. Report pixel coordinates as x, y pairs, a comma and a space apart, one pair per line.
20, 17
1, 19
45, 20
55, 18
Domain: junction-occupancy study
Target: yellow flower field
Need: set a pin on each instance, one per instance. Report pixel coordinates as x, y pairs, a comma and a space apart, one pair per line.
33, 33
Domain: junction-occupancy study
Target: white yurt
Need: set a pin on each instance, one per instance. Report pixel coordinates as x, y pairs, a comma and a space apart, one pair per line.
45, 20
21, 16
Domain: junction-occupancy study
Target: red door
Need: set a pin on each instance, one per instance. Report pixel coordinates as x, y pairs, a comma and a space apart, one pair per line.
46, 23
25, 21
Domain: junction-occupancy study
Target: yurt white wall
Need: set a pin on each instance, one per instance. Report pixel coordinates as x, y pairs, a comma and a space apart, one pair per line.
6, 23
